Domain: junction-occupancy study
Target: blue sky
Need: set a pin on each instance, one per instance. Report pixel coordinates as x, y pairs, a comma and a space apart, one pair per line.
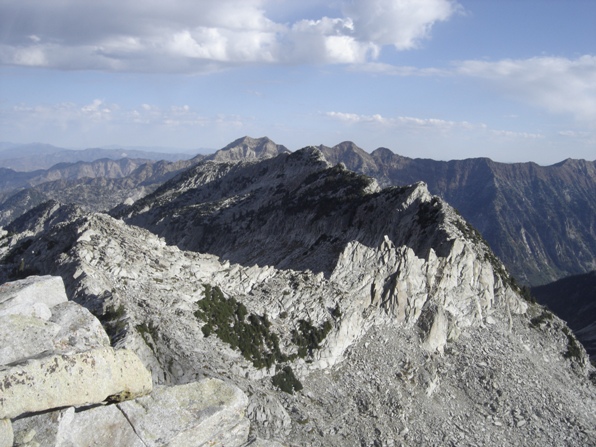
513, 80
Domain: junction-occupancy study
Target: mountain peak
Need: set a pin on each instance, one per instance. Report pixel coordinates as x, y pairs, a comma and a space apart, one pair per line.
351, 155
247, 148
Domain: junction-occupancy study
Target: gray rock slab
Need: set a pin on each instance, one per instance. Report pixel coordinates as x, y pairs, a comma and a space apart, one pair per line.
85, 378
258, 442
40, 429
32, 296
99, 426
210, 412
79, 330
6, 433
24, 336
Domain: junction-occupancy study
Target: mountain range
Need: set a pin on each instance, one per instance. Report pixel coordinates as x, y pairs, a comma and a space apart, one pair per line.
346, 312
35, 156
540, 220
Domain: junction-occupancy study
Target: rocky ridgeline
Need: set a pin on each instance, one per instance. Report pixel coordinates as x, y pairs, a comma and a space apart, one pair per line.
349, 315
507, 202
59, 375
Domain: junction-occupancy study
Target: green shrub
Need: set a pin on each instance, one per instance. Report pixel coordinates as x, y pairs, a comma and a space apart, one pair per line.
286, 381
544, 316
336, 312
308, 337
227, 319
149, 333
574, 351
251, 334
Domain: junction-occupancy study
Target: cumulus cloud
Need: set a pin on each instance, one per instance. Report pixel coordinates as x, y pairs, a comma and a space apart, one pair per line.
203, 35
402, 24
557, 84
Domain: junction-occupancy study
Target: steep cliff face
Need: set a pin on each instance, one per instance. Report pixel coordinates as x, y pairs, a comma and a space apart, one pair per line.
538, 219
381, 313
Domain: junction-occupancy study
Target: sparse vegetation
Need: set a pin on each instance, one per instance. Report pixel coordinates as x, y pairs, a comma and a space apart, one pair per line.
328, 191
227, 318
526, 294
286, 381
149, 333
251, 334
574, 351
308, 338
543, 317
429, 213
111, 313
336, 312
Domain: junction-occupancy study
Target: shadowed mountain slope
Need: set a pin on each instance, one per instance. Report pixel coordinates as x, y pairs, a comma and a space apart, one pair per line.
574, 300
293, 211
540, 220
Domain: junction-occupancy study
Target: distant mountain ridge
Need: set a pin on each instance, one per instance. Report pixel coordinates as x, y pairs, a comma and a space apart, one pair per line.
540, 220
104, 183
95, 186
31, 157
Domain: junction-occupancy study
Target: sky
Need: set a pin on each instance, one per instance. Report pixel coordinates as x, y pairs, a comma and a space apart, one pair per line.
512, 80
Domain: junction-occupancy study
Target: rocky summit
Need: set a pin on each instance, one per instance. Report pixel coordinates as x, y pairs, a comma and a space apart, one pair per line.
330, 311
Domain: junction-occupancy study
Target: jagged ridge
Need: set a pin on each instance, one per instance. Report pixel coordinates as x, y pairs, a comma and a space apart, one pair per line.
508, 203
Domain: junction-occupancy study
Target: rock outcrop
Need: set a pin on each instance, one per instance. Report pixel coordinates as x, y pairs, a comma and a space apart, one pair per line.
32, 296
209, 412
80, 379
59, 360
54, 353
206, 413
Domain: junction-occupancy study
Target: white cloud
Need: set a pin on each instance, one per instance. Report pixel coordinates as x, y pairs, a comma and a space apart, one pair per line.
557, 84
98, 113
402, 24
203, 35
401, 121
413, 124
397, 70
512, 134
